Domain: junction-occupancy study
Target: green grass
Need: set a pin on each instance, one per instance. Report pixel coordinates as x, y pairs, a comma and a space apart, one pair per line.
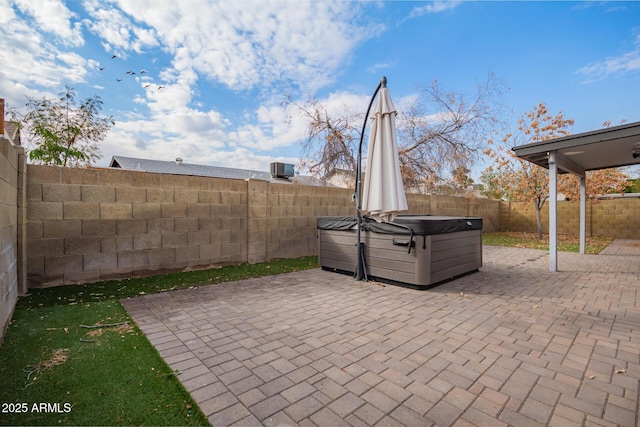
105, 376
529, 240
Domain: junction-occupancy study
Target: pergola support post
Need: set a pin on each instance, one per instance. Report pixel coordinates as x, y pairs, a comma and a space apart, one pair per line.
553, 212
583, 213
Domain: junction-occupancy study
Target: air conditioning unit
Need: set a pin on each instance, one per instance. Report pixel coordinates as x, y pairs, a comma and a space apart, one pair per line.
282, 170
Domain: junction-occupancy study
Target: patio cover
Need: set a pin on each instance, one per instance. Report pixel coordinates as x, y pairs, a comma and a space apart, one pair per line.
600, 149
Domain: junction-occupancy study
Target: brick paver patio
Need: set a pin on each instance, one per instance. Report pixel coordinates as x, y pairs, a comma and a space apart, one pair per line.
513, 344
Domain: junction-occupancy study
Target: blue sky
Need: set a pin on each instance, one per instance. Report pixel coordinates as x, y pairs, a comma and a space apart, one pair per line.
225, 66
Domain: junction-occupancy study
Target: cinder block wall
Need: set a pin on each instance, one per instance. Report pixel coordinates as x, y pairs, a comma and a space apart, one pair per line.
88, 225
489, 210
450, 206
291, 215
12, 229
618, 218
520, 216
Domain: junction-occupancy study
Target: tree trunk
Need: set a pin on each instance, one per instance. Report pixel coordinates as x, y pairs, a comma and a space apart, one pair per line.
538, 221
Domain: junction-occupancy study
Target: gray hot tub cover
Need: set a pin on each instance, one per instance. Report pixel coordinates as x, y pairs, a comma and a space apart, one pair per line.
421, 225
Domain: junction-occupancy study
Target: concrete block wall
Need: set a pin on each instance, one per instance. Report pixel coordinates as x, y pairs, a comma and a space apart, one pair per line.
569, 218
12, 229
489, 211
419, 204
282, 217
504, 216
449, 206
87, 225
292, 212
617, 218
520, 216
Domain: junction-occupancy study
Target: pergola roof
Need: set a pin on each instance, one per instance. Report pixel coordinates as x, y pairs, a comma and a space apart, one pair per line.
598, 149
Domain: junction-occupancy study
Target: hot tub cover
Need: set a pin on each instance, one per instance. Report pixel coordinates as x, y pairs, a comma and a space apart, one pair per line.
421, 225
424, 225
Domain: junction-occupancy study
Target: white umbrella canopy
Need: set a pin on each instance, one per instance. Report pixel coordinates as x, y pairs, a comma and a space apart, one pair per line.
383, 195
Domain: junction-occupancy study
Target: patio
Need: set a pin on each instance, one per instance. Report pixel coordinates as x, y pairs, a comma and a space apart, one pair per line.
513, 344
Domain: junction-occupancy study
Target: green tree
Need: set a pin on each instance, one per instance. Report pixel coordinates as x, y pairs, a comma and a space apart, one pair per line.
63, 132
491, 184
632, 186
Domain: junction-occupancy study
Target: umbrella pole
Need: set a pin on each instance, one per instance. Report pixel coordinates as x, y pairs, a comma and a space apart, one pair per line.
361, 273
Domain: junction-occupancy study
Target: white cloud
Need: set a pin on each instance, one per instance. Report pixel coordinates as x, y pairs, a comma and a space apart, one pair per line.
171, 129
375, 68
272, 130
30, 61
344, 102
52, 16
437, 6
277, 127
188, 134
122, 141
625, 63
251, 44
118, 32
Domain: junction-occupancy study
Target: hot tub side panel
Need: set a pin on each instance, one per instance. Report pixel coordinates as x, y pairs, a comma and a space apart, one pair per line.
388, 261
454, 254
383, 260
434, 258
337, 250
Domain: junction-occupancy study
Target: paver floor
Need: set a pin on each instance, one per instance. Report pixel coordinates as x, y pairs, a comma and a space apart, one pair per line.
513, 344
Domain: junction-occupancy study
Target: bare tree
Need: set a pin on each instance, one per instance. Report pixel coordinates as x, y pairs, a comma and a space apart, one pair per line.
444, 132
332, 140
439, 133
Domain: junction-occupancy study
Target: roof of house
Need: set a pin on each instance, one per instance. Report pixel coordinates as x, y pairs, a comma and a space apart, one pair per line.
178, 167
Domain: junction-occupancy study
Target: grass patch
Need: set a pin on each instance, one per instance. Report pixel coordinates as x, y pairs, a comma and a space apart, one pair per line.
88, 375
126, 288
530, 240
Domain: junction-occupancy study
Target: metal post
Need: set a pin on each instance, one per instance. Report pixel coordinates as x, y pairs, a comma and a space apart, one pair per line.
553, 212
583, 213
361, 273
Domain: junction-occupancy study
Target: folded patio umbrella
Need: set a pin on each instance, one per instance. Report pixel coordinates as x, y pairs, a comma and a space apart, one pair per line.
383, 195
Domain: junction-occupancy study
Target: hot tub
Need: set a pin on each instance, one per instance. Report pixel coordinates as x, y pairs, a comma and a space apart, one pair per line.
417, 251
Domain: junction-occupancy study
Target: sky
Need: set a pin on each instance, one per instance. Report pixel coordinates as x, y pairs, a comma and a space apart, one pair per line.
210, 77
